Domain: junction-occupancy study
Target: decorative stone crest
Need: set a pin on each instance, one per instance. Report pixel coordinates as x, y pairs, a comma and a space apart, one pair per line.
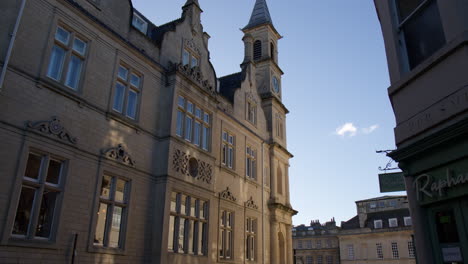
52, 127
119, 154
251, 204
250, 96
227, 194
190, 166
190, 44
195, 74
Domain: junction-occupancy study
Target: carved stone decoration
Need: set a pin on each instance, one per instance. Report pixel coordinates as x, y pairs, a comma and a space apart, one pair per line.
251, 204
190, 44
119, 154
250, 96
53, 127
190, 166
195, 74
226, 107
227, 194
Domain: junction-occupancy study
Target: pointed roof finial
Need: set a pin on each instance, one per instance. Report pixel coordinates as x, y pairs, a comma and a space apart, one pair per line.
191, 2
260, 15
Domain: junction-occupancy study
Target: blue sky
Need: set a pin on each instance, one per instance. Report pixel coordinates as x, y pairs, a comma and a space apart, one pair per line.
334, 85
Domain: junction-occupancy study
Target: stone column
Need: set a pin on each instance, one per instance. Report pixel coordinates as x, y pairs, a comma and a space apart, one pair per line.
274, 246
286, 183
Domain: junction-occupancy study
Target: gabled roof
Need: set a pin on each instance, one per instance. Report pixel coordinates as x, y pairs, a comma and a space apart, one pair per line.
260, 15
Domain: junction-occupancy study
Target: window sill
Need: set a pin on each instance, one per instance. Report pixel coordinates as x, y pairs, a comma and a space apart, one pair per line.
133, 123
104, 250
229, 170
31, 243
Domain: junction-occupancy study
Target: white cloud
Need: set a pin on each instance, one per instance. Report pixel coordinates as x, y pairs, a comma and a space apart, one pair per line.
346, 129
368, 130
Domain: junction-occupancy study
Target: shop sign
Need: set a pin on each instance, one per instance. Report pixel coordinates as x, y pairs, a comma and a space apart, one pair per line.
427, 186
392, 182
452, 254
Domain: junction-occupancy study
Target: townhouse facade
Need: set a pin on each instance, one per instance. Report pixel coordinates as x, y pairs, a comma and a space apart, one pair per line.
426, 48
122, 145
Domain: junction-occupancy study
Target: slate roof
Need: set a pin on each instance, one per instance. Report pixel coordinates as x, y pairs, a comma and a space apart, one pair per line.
385, 215
382, 198
351, 223
229, 84
260, 15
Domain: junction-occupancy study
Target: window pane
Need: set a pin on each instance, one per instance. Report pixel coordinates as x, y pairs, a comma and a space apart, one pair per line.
190, 237
173, 202
119, 97
406, 7
180, 123
132, 104
188, 128
135, 80
205, 137
198, 113
196, 134
190, 107
182, 204
185, 58
170, 240
192, 206
120, 191
206, 118
79, 46
53, 173
74, 72
181, 101
62, 35
23, 213
122, 73
101, 224
33, 166
106, 186
46, 214
202, 210
180, 240
424, 34
194, 62
446, 225
56, 63
114, 232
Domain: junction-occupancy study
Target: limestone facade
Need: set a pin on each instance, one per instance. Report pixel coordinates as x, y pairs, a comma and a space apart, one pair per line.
122, 145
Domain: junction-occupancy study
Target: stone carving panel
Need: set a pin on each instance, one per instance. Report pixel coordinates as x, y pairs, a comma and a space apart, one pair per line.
52, 127
187, 165
251, 204
119, 154
190, 44
195, 74
227, 194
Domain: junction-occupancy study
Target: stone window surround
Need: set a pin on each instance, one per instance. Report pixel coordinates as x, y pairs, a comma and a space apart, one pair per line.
127, 88
51, 43
8, 238
109, 168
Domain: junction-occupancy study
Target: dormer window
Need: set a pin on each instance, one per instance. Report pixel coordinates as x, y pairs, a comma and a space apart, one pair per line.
392, 222
257, 50
407, 220
378, 224
139, 23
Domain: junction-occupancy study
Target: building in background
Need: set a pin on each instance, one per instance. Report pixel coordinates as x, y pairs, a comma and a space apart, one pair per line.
381, 232
317, 243
121, 145
427, 54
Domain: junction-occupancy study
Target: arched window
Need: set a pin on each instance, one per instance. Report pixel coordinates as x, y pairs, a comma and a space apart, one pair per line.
272, 51
257, 50
279, 180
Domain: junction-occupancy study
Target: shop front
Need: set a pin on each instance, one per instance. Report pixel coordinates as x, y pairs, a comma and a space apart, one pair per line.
436, 177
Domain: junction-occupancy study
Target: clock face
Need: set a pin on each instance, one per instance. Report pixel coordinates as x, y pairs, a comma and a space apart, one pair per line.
276, 86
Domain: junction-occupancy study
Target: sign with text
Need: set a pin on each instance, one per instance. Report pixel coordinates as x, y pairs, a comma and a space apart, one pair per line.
392, 182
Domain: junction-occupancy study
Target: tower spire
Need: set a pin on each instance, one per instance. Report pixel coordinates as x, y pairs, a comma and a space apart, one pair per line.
260, 15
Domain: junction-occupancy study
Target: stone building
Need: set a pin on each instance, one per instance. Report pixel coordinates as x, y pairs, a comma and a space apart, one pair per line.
381, 232
120, 144
317, 243
426, 48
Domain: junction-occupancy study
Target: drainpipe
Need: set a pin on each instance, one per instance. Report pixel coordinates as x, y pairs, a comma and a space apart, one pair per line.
12, 42
263, 203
